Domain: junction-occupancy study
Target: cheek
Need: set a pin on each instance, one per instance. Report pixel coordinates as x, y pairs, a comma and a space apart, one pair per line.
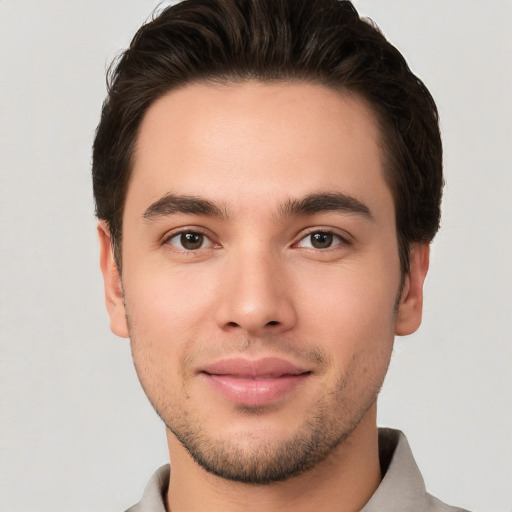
162, 299
352, 310
163, 324
165, 313
352, 298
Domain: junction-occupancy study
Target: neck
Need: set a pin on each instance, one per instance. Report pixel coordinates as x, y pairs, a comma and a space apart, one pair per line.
343, 482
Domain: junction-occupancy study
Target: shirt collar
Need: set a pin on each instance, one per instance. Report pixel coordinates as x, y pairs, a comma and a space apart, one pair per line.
401, 490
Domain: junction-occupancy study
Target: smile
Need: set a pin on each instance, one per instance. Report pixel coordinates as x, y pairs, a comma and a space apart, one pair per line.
254, 383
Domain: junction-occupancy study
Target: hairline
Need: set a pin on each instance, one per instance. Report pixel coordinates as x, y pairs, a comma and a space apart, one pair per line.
235, 79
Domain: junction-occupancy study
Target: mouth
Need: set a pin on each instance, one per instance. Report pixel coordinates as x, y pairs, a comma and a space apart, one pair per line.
255, 382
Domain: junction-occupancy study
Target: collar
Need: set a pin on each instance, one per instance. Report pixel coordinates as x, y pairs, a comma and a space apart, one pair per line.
401, 490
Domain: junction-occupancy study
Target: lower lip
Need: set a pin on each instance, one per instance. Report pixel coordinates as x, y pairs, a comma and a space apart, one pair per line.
255, 392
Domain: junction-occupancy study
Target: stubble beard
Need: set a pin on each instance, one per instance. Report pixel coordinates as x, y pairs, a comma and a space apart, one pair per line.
331, 421
250, 458
268, 461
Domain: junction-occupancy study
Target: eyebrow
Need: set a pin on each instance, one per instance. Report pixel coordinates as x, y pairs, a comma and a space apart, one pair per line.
309, 205
171, 204
325, 202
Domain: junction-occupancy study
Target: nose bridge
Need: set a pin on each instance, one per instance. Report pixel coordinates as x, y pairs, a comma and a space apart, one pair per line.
255, 297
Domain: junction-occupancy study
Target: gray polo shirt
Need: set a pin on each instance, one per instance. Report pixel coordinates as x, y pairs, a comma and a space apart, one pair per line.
402, 489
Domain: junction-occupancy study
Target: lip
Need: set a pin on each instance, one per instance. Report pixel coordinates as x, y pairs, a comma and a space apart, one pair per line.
254, 382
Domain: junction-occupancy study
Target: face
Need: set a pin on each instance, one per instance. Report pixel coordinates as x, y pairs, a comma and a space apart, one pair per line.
261, 285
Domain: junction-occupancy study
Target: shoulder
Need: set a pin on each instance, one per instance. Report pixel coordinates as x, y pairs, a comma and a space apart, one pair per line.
153, 497
435, 505
402, 488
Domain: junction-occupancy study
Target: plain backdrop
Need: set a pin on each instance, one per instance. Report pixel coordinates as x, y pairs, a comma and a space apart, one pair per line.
77, 433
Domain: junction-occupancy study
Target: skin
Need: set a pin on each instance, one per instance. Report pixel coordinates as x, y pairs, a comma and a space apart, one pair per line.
258, 287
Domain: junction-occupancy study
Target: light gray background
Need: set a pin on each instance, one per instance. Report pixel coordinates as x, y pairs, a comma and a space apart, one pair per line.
76, 431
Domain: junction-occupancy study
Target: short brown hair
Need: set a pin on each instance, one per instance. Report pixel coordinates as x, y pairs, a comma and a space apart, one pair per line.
320, 41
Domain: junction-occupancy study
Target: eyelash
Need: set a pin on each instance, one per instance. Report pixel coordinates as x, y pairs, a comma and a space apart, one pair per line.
341, 240
205, 238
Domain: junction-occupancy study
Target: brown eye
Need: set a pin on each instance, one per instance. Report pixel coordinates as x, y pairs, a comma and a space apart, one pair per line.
191, 241
188, 241
321, 240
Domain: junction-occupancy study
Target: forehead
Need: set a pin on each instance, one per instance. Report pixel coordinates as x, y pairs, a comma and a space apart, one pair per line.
257, 140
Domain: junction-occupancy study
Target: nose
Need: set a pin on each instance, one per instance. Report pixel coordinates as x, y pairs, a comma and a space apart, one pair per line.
256, 296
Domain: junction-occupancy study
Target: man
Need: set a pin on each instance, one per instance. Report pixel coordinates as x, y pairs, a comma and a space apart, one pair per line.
268, 177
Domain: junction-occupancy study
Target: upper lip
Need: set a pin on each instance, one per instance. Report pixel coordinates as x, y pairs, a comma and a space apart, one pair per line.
264, 368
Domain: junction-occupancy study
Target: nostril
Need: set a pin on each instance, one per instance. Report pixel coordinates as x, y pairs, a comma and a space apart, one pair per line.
273, 322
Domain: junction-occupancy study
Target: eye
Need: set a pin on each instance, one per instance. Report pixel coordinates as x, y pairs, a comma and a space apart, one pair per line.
320, 240
189, 241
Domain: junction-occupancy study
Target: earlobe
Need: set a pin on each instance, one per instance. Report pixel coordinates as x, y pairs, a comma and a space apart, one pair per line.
410, 307
114, 298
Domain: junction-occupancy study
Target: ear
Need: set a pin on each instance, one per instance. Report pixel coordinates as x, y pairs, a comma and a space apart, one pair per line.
410, 307
114, 298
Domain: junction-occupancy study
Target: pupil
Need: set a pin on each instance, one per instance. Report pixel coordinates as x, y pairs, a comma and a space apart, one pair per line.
321, 240
191, 240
